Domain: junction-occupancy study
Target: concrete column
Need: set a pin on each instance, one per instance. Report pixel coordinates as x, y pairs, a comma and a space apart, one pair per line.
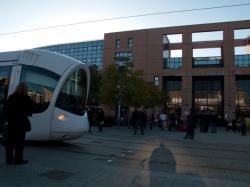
186, 94
187, 51
187, 58
229, 78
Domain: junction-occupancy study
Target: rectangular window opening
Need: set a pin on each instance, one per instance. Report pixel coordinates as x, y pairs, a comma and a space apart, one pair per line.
172, 38
130, 42
242, 56
172, 59
207, 36
117, 43
207, 57
242, 34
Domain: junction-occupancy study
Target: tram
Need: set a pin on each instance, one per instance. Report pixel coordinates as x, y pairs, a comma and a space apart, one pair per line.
58, 86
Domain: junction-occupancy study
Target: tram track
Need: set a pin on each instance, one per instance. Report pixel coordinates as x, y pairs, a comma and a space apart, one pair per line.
132, 158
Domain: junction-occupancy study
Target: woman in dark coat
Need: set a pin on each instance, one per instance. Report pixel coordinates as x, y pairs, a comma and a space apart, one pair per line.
18, 108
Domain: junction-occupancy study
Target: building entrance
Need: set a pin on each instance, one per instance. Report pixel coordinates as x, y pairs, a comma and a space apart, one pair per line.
208, 95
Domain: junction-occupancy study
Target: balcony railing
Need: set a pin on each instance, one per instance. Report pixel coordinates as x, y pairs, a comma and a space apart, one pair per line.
212, 61
172, 63
242, 60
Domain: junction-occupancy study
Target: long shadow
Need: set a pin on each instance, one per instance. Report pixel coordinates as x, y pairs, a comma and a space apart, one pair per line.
163, 160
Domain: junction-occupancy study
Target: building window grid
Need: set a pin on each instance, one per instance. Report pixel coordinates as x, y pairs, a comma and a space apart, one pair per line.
207, 62
86, 52
242, 60
130, 42
172, 63
117, 43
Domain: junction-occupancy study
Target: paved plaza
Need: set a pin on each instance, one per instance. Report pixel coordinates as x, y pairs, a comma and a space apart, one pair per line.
116, 157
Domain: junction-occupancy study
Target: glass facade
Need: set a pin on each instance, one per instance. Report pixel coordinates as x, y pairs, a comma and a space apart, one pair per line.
90, 52
208, 94
130, 42
125, 54
4, 83
207, 62
172, 86
172, 63
117, 43
243, 96
242, 60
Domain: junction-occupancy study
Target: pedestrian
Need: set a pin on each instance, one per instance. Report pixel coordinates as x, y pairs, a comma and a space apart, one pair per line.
191, 125
212, 122
18, 108
151, 121
163, 119
139, 120
100, 119
242, 123
90, 117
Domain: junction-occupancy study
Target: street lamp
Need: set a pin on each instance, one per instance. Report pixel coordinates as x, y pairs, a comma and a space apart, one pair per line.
120, 64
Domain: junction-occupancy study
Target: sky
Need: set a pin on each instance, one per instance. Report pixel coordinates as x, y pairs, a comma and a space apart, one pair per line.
19, 15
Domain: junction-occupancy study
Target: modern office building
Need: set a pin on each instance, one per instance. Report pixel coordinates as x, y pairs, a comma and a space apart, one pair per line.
196, 65
90, 52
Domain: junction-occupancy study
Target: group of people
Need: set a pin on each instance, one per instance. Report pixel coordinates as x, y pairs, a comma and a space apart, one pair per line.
19, 107
96, 117
238, 124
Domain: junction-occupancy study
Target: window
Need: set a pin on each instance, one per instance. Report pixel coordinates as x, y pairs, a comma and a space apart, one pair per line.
41, 85
172, 38
130, 42
124, 54
207, 57
117, 43
156, 80
73, 94
243, 96
172, 87
4, 84
172, 59
208, 94
242, 56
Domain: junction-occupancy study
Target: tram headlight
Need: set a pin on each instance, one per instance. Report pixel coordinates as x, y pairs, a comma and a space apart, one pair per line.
61, 117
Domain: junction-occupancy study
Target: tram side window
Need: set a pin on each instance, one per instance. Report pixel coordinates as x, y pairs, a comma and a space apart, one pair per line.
4, 84
73, 93
41, 85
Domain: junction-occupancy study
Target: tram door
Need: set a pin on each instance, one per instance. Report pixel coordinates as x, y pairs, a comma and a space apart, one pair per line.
4, 84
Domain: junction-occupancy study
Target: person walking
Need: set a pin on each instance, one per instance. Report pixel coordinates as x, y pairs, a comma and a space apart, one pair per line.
90, 117
18, 108
163, 119
100, 119
242, 123
191, 125
139, 120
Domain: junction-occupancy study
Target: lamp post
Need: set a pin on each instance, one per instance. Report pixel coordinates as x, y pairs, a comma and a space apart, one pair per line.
119, 61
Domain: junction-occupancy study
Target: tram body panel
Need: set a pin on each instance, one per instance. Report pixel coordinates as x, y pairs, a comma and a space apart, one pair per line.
47, 124
40, 126
67, 125
43, 59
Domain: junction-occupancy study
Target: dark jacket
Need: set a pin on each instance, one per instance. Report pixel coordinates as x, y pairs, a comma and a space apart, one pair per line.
18, 108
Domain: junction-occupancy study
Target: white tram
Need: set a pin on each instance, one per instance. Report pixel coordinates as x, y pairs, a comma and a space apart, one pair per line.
58, 86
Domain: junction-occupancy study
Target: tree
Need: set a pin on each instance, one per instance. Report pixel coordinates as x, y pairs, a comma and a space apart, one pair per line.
129, 84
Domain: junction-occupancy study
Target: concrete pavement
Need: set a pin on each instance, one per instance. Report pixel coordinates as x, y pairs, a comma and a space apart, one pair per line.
116, 157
